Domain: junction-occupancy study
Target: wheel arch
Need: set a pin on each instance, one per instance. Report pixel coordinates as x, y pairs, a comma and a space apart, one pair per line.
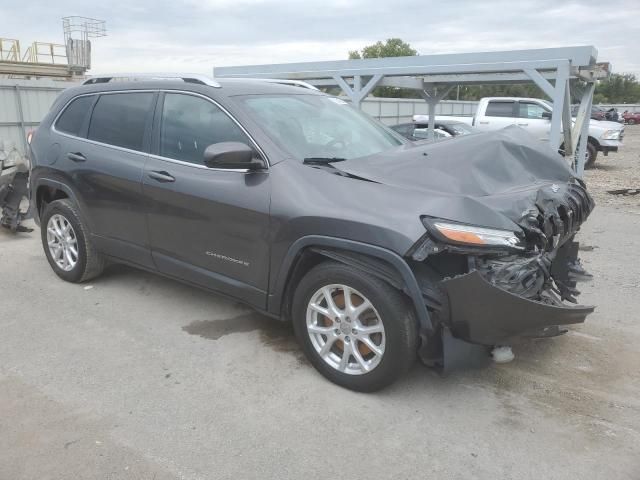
593, 141
47, 190
309, 251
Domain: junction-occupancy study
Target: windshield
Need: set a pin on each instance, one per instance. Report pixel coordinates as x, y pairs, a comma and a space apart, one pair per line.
316, 126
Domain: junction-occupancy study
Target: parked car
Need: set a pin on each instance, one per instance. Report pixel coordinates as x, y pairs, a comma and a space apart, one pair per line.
631, 118
308, 210
417, 131
534, 115
597, 113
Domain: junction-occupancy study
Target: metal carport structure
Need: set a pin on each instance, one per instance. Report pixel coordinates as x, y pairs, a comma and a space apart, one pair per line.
434, 76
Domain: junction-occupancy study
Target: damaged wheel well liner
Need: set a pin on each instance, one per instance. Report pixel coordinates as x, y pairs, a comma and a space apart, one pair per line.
47, 194
307, 252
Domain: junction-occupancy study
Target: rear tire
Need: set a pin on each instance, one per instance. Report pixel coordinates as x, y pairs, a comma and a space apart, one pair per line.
67, 243
383, 311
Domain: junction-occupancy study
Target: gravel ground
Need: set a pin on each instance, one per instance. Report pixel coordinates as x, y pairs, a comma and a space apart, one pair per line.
618, 171
137, 377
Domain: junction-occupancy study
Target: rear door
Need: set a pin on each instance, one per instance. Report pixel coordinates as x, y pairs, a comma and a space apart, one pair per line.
498, 114
530, 118
207, 226
105, 159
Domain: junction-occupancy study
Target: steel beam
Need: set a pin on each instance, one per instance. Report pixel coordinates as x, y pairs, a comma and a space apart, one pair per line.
558, 97
23, 135
580, 131
432, 96
34, 69
495, 62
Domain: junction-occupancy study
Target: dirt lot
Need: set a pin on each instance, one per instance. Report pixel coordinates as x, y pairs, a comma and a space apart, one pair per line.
134, 376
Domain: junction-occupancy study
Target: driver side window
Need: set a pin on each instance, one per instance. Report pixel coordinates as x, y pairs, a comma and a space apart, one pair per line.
531, 110
190, 124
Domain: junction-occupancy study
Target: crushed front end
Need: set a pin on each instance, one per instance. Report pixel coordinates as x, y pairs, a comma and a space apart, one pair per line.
489, 287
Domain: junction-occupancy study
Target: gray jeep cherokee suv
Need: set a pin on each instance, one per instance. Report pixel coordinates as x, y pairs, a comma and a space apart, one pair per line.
291, 201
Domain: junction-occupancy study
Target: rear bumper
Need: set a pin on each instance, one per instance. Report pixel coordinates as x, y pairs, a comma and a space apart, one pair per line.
485, 314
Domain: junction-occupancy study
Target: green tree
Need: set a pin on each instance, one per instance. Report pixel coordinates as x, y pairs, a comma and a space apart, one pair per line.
392, 47
618, 88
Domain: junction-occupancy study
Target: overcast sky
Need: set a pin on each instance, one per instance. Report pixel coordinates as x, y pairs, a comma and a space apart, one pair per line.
195, 35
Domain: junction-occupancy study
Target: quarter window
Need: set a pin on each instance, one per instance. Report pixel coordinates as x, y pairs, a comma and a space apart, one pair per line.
190, 124
74, 115
499, 109
120, 118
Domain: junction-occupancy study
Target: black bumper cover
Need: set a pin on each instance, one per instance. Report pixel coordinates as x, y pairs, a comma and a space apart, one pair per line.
485, 314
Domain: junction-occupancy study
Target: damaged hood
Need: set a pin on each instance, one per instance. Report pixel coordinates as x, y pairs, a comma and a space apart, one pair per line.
475, 165
497, 179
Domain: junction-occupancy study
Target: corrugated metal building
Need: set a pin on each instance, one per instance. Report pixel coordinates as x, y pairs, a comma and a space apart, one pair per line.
23, 104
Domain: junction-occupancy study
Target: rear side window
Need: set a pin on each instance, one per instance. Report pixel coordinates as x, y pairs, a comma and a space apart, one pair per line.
499, 109
190, 124
120, 118
73, 117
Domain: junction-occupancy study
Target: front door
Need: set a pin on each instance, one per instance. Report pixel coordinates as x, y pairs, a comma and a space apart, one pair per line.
207, 226
530, 117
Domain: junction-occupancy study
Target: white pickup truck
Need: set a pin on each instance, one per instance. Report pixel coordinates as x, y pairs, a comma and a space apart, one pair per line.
534, 114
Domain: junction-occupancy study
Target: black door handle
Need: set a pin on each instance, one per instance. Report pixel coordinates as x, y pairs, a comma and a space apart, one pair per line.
76, 157
161, 176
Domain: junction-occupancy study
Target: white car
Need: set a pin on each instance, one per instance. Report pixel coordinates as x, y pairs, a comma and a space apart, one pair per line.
534, 115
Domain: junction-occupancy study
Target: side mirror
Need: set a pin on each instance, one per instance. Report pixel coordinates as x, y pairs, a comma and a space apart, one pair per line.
231, 155
546, 115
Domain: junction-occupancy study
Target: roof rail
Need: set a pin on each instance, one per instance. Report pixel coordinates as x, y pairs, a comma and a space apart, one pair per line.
185, 77
296, 83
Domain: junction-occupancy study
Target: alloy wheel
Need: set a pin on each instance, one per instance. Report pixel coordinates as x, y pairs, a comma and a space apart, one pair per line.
345, 329
62, 242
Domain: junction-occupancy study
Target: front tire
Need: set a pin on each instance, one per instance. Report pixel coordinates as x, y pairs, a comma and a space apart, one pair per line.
356, 330
592, 154
67, 243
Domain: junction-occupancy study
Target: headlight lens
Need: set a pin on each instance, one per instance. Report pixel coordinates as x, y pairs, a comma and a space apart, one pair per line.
481, 236
611, 135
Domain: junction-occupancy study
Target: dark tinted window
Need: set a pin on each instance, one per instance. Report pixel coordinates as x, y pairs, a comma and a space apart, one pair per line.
74, 115
119, 119
190, 124
499, 109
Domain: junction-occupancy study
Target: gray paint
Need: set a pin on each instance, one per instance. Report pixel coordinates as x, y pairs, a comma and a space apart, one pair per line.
239, 232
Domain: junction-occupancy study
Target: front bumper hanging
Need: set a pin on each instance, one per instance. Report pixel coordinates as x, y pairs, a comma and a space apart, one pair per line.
485, 314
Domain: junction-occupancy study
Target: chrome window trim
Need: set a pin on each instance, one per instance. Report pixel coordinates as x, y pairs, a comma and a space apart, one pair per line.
195, 165
159, 157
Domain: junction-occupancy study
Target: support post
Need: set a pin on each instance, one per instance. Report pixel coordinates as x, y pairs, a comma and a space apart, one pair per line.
557, 94
432, 96
358, 92
569, 144
23, 137
581, 128
562, 78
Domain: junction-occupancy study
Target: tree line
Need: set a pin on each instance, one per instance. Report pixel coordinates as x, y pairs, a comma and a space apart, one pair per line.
618, 88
